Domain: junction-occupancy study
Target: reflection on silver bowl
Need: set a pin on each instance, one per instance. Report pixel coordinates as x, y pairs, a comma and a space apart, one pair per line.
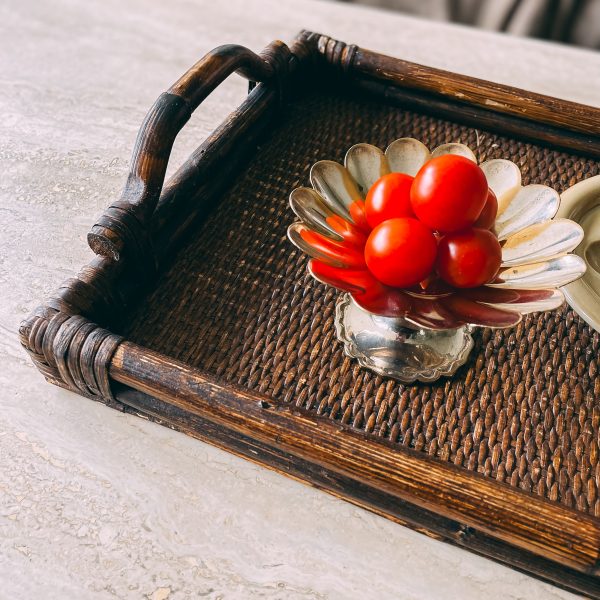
393, 347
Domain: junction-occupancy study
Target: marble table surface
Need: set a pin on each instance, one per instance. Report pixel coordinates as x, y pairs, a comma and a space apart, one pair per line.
95, 504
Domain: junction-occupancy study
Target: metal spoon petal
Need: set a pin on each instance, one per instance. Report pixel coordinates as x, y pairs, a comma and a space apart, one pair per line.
541, 241
366, 164
504, 177
454, 148
407, 155
310, 207
336, 185
531, 204
552, 273
550, 303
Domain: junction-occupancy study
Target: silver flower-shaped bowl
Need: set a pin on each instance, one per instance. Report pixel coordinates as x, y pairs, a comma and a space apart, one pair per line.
423, 333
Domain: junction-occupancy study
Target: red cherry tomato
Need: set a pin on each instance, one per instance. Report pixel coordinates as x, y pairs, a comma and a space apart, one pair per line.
400, 252
487, 217
469, 258
389, 198
448, 193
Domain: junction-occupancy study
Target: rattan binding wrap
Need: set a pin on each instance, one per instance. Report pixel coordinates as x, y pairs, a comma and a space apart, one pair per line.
240, 305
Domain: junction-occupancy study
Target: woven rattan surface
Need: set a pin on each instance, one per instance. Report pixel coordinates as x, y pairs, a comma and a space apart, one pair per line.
238, 302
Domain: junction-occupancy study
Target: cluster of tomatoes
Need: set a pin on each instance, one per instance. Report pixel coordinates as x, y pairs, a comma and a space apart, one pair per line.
438, 223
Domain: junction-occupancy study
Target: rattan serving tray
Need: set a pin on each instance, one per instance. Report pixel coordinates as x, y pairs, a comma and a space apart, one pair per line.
198, 313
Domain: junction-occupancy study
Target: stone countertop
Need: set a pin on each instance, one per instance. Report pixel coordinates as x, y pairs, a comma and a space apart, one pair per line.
95, 504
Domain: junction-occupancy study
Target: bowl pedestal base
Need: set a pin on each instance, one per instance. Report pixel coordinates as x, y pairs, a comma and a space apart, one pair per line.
393, 347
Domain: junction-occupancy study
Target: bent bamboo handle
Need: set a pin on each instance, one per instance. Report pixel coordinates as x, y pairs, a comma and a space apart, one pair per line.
125, 224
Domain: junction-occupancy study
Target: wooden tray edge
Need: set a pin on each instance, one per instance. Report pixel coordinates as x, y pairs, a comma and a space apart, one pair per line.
428, 523
529, 522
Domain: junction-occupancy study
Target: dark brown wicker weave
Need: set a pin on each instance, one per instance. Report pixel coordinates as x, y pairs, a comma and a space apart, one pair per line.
224, 335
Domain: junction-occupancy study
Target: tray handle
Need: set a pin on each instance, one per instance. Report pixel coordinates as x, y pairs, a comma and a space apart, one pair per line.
125, 224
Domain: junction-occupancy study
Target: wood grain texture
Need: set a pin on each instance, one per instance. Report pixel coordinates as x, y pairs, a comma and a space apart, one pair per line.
478, 92
549, 134
382, 503
477, 102
540, 527
193, 188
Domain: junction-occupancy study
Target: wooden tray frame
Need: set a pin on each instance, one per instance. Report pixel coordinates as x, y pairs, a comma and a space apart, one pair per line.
138, 233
